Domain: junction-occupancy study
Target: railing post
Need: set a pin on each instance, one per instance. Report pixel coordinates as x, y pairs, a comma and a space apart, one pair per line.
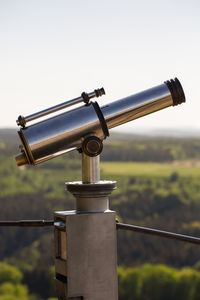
86, 246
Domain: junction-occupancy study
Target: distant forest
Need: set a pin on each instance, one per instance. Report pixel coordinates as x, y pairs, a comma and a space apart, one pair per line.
126, 147
169, 202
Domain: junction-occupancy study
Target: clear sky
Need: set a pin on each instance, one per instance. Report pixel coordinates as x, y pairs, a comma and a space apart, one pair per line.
53, 50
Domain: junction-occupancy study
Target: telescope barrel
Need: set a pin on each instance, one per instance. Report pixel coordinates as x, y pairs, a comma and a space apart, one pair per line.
138, 105
65, 132
60, 134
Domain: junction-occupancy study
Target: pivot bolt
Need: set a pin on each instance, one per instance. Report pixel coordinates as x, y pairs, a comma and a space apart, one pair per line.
92, 146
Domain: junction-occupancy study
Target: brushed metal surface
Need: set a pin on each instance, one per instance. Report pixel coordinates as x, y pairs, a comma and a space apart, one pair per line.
65, 132
85, 97
52, 109
60, 134
91, 265
138, 105
90, 168
91, 197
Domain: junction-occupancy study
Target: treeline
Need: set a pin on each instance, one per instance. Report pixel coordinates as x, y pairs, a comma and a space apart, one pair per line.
12, 286
168, 203
147, 282
156, 282
152, 149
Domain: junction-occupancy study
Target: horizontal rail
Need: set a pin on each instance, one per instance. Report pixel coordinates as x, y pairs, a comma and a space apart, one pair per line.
161, 233
145, 230
27, 223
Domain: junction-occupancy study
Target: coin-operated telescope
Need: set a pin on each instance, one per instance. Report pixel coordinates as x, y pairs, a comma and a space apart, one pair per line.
85, 239
86, 126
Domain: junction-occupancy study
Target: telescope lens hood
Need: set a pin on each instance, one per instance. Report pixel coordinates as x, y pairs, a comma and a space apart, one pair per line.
176, 90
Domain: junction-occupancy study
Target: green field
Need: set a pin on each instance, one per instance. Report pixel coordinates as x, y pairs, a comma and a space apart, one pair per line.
184, 169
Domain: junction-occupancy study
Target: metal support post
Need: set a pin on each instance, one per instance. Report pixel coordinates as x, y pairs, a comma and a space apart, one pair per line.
85, 240
90, 168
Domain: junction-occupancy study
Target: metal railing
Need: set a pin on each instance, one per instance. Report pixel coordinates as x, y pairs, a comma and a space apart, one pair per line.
122, 226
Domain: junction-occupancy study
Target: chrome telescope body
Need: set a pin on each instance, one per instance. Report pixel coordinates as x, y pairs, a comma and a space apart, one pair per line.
65, 132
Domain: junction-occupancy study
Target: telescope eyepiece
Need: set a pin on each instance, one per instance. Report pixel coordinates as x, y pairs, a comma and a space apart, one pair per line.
21, 121
176, 90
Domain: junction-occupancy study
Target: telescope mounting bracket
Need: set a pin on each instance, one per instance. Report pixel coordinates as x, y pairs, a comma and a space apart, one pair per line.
92, 146
91, 149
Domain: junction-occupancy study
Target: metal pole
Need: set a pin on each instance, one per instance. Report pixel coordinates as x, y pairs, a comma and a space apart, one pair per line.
27, 223
90, 168
165, 234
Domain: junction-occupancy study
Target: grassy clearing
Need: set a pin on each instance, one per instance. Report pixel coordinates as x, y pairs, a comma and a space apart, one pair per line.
149, 169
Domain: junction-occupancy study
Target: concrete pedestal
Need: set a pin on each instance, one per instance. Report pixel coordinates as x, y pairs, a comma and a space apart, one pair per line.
86, 247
